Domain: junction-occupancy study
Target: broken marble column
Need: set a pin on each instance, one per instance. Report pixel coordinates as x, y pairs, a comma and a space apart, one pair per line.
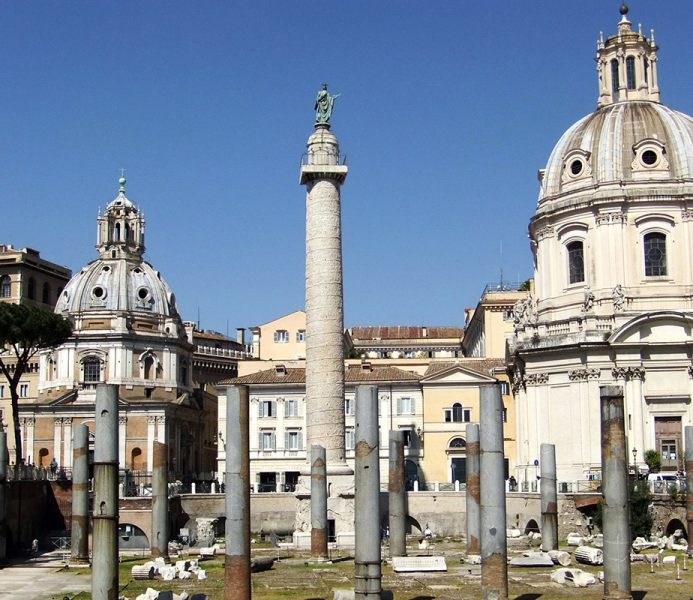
549, 498
159, 545
616, 529
494, 552
397, 496
79, 550
318, 503
472, 494
104, 573
237, 584
367, 556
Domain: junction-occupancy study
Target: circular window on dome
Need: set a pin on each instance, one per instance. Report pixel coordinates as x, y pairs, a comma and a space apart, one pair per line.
98, 293
649, 158
576, 167
143, 293
106, 269
137, 270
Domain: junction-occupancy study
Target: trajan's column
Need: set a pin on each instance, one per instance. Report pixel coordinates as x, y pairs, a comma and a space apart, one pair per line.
323, 172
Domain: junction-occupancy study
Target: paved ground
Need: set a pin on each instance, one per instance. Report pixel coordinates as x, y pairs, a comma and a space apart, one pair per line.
41, 578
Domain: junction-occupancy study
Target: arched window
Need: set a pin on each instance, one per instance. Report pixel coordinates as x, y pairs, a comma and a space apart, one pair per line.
128, 233
655, 244
576, 262
614, 77
457, 443
630, 72
92, 370
46, 293
116, 232
31, 289
457, 412
5, 286
149, 372
136, 459
646, 67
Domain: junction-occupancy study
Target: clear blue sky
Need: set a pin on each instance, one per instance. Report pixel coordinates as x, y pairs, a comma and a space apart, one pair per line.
448, 109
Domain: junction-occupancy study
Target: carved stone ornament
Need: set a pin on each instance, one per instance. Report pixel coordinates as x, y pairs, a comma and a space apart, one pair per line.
545, 232
151, 420
628, 373
519, 381
619, 297
606, 218
690, 371
583, 374
122, 420
687, 214
588, 304
537, 378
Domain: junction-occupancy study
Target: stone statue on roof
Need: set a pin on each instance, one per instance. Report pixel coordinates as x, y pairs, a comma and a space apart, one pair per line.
324, 103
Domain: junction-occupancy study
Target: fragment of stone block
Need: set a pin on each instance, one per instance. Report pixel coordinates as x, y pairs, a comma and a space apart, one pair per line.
532, 559
201, 574
575, 539
589, 556
168, 573
576, 577
559, 557
143, 572
184, 574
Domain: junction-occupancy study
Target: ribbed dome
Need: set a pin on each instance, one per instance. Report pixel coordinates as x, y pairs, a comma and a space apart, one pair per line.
117, 285
621, 142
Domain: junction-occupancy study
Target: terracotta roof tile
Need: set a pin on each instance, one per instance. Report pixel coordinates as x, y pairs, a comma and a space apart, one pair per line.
352, 374
483, 366
404, 332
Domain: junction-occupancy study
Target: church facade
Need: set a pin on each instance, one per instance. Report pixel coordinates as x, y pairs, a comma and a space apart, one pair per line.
612, 240
127, 331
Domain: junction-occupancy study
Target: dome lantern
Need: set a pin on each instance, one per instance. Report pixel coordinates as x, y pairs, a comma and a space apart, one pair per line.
627, 65
120, 232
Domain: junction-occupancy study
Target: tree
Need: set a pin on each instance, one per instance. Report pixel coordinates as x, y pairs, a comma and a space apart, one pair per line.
24, 330
653, 460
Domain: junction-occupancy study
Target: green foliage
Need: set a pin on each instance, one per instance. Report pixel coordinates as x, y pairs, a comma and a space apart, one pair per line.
653, 460
525, 286
640, 516
24, 330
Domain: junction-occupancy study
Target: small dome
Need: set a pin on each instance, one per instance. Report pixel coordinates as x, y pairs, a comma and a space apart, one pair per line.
117, 285
621, 142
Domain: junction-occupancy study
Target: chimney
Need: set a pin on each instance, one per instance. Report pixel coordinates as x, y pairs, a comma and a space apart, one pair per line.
240, 335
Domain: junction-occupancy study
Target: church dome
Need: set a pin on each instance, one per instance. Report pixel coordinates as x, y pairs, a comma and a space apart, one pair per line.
120, 280
619, 143
118, 285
